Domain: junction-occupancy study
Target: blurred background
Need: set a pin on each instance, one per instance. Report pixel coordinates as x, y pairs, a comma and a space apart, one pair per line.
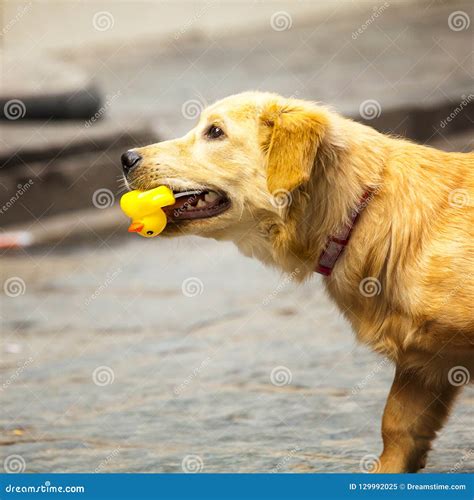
125, 354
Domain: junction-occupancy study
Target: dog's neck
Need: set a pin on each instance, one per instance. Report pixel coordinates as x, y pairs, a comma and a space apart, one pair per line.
336, 243
343, 173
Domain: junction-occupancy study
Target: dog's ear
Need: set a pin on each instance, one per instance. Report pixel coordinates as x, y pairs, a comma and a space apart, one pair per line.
291, 132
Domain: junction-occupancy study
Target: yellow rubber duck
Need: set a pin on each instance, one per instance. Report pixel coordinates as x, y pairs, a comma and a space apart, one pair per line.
144, 208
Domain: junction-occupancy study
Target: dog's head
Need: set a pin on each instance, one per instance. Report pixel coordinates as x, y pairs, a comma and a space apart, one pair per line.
239, 166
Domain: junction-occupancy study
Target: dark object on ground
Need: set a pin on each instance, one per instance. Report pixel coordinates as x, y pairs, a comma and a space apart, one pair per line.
78, 105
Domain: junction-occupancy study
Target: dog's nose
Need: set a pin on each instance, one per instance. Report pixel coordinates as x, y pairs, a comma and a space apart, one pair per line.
129, 160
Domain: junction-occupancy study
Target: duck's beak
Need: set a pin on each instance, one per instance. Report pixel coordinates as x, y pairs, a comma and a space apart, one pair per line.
135, 227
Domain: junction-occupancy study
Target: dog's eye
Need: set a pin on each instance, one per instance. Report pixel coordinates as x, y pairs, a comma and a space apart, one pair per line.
214, 132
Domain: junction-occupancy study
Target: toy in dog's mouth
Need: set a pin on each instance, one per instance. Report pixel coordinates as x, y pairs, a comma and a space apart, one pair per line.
197, 204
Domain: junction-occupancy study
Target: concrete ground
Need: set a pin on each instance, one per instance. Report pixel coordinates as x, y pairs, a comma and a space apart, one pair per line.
119, 354
132, 355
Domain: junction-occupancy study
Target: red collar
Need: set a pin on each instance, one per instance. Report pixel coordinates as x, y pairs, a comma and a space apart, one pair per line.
336, 243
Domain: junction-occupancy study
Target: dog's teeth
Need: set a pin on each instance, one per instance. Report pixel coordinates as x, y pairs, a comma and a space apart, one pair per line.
211, 196
200, 204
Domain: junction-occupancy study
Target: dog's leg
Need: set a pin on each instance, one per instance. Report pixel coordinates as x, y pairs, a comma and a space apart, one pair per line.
414, 412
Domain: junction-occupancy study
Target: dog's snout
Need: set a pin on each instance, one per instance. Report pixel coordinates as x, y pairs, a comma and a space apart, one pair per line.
130, 159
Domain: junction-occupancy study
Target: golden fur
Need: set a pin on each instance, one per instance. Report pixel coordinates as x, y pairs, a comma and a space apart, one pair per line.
414, 237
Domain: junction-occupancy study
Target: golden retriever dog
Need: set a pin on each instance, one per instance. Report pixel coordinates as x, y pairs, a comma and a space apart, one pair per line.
404, 277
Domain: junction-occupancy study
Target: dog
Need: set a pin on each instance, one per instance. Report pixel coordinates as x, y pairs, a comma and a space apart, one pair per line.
389, 224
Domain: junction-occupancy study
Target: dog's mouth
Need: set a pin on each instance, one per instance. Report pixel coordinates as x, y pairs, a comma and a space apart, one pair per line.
197, 204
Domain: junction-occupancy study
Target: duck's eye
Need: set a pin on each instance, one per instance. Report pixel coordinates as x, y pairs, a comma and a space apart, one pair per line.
214, 132
149, 232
